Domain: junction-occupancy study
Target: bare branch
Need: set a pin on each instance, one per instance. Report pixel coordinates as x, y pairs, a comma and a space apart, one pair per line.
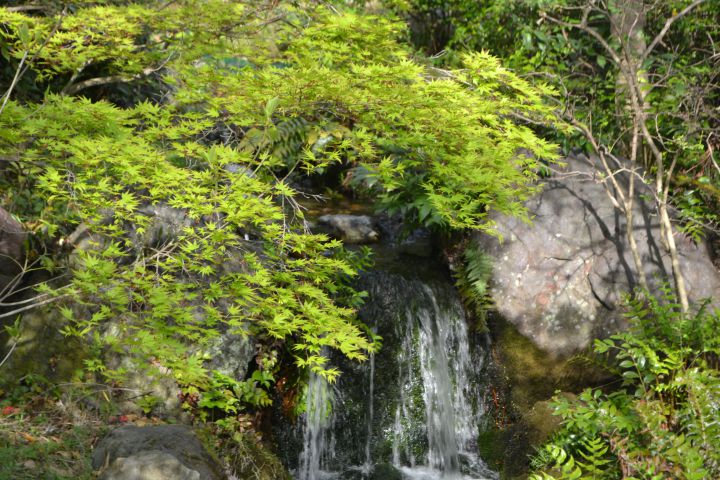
76, 74
668, 23
583, 26
34, 305
8, 354
16, 78
73, 88
25, 8
21, 71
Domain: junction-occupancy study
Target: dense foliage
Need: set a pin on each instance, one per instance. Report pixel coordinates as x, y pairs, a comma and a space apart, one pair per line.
179, 217
662, 421
639, 83
572, 45
163, 153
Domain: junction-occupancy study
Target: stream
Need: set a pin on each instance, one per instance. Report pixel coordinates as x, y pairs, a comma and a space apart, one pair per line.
412, 411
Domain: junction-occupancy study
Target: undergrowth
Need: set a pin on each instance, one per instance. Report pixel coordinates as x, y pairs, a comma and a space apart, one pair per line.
46, 441
664, 420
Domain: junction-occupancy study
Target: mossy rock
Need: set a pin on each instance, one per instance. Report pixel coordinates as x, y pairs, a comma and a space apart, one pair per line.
251, 460
542, 422
41, 351
385, 471
525, 378
506, 450
533, 375
381, 471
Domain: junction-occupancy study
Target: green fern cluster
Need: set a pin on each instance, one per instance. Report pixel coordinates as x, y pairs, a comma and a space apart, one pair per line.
593, 453
472, 280
665, 420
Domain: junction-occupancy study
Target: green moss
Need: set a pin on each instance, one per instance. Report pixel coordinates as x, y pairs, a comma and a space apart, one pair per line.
490, 448
542, 422
251, 460
534, 375
524, 378
42, 351
505, 450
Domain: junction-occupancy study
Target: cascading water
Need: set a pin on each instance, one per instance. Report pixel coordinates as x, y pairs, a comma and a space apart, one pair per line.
318, 442
414, 408
440, 401
371, 411
439, 335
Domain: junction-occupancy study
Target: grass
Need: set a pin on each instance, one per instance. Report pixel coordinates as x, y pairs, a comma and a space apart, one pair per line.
48, 448
51, 437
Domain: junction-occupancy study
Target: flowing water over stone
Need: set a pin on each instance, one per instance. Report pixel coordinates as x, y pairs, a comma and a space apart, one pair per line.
318, 442
413, 410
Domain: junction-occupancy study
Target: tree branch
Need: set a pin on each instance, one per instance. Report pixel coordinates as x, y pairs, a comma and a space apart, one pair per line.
34, 305
25, 8
18, 74
668, 23
591, 31
8, 354
73, 88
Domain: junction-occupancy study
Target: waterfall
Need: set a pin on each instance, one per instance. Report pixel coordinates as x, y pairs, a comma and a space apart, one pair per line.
371, 411
438, 392
413, 407
406, 379
318, 444
438, 336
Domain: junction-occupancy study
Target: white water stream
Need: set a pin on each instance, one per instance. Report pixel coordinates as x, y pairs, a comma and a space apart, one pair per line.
445, 366
318, 441
434, 359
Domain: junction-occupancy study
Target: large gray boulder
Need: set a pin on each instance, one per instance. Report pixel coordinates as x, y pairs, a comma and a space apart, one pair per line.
158, 452
561, 279
150, 465
12, 250
165, 224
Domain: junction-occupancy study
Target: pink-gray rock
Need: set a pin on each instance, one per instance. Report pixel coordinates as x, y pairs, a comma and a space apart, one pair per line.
561, 279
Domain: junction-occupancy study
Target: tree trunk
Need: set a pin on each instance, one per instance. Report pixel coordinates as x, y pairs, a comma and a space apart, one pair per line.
627, 19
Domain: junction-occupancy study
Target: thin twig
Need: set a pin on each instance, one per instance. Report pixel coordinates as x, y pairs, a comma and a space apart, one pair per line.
15, 80
21, 71
8, 354
668, 23
34, 305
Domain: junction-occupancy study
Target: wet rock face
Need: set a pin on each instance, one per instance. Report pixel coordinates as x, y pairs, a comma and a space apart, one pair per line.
353, 229
12, 248
560, 280
158, 452
417, 243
